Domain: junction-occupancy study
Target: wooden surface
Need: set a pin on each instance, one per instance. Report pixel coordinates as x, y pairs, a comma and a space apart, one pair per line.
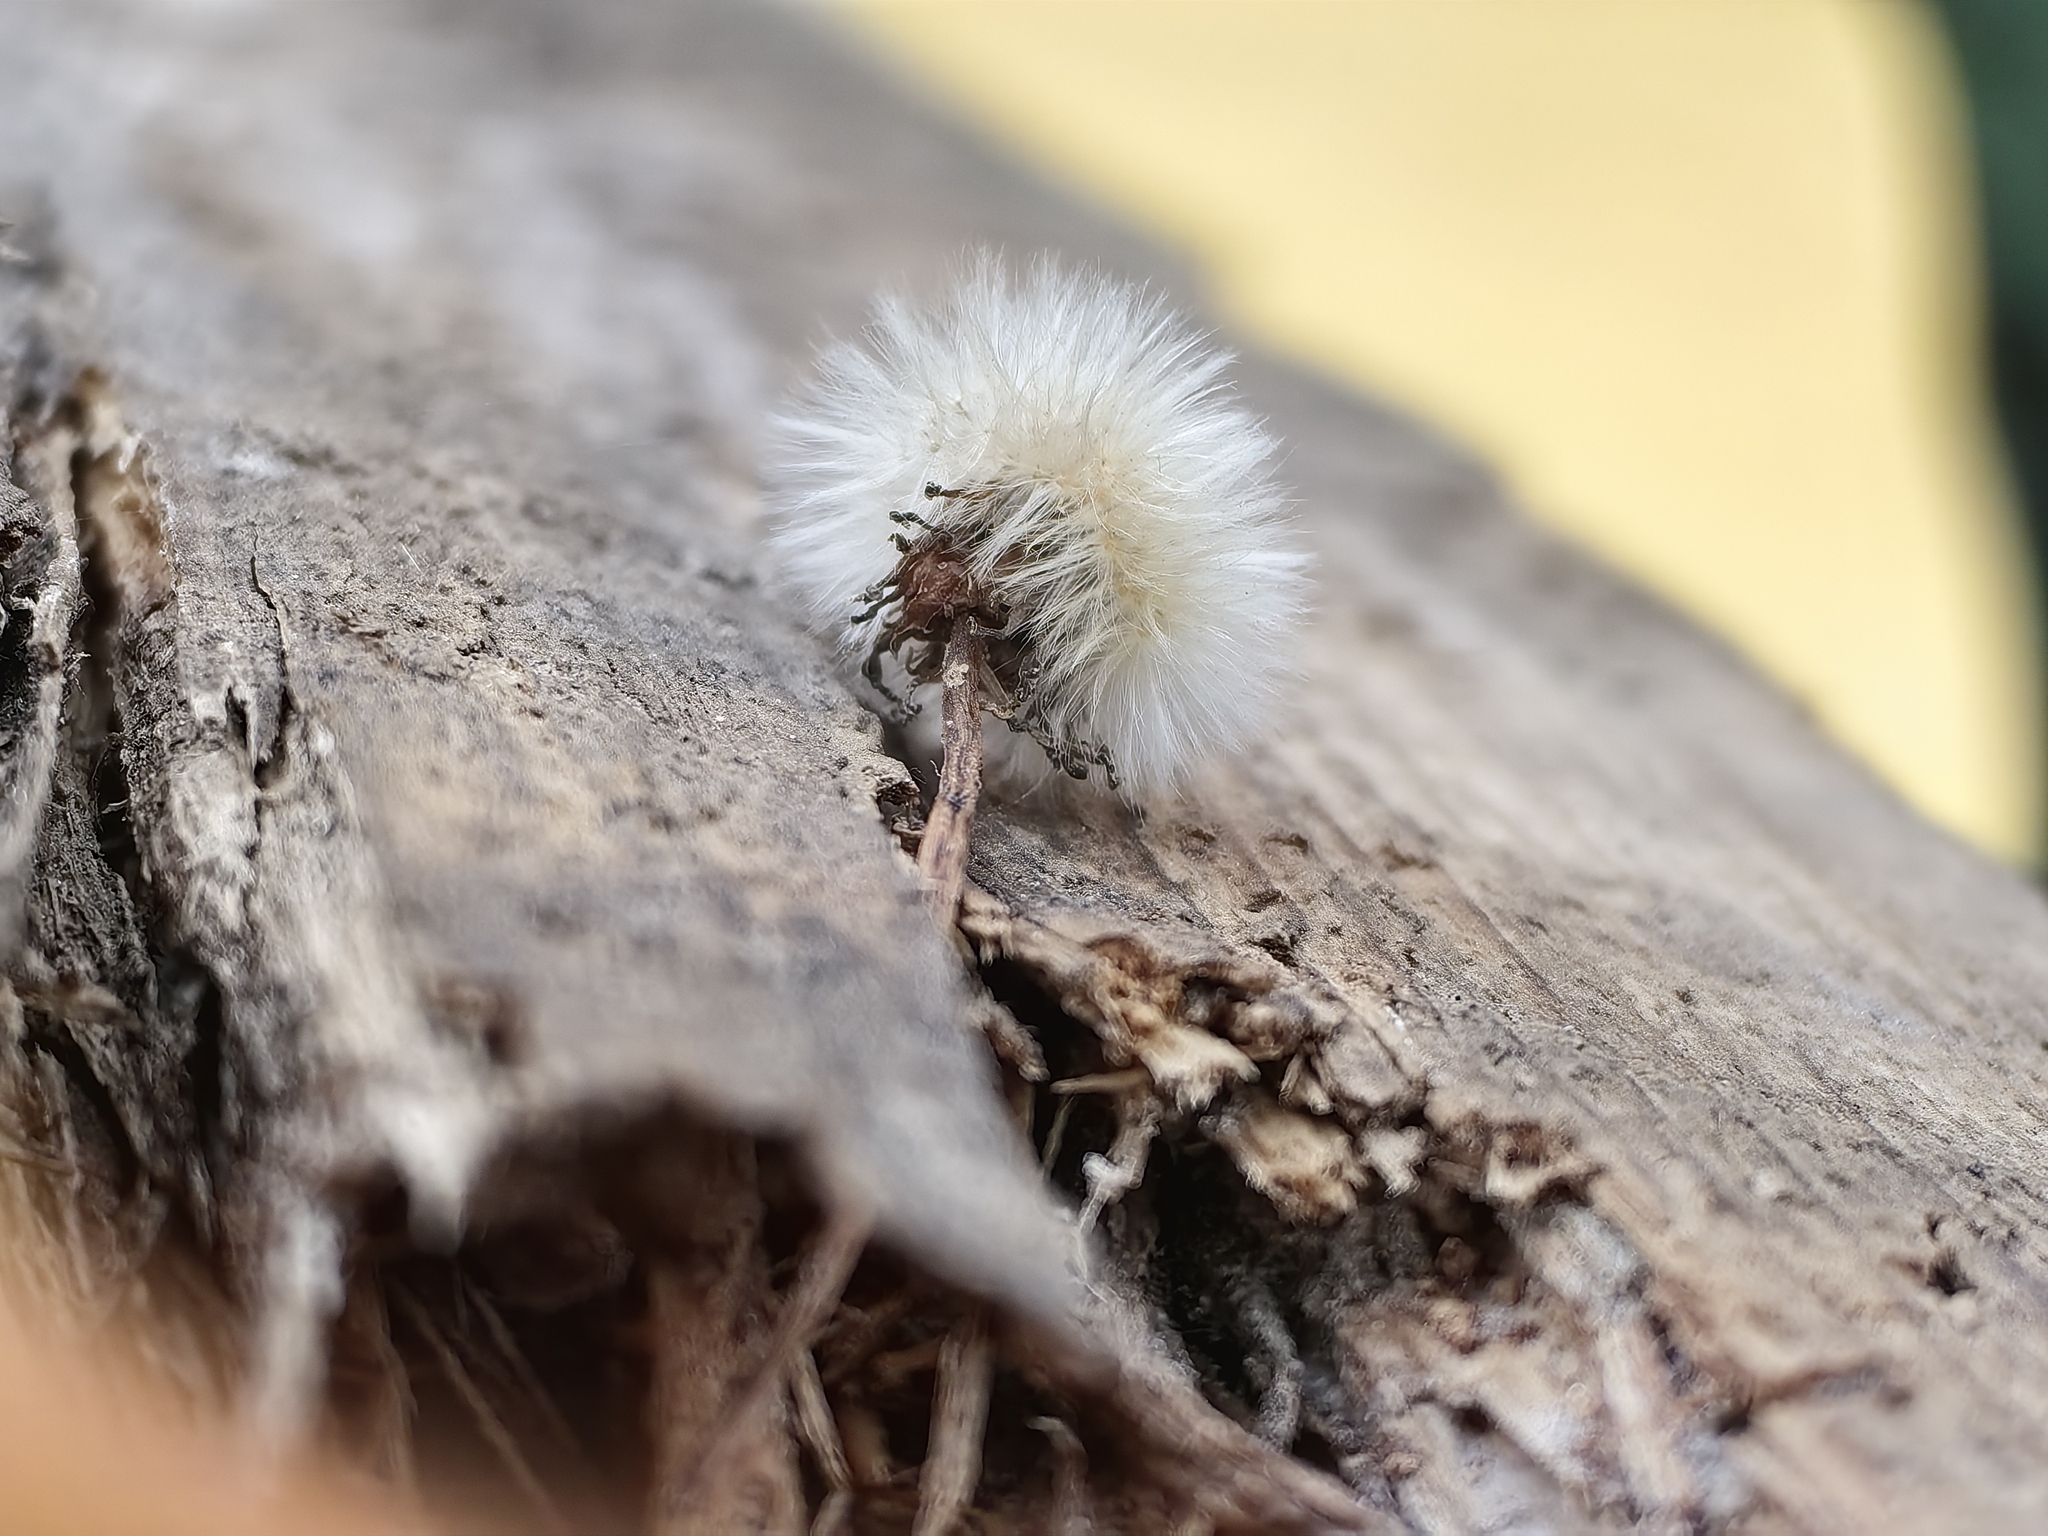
1544, 1086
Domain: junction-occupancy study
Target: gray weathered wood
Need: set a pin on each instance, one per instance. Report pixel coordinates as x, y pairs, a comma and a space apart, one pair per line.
1544, 1084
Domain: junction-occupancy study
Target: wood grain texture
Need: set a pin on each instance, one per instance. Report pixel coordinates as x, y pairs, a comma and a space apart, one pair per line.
1543, 1085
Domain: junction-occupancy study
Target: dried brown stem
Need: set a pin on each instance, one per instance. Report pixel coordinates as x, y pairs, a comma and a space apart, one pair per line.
815, 1423
364, 1330
708, 1305
866, 1440
952, 1467
496, 1435
521, 1368
834, 1514
824, 1274
859, 1333
942, 856
1069, 1516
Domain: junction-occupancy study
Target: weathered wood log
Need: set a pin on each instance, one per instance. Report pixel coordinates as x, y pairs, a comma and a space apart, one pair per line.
458, 916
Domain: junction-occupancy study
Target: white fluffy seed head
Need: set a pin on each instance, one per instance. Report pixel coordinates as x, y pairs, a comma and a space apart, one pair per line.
1109, 494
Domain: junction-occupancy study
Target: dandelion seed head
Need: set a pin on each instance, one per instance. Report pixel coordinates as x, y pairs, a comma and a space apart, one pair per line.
1070, 443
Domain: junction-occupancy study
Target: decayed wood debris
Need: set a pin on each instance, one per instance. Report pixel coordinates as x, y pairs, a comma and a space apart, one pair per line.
469, 1001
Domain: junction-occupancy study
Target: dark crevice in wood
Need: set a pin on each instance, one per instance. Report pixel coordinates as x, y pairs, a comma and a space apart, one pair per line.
174, 998
565, 1378
1270, 1312
119, 1028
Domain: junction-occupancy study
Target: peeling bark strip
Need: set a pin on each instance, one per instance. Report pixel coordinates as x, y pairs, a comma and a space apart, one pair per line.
459, 955
42, 587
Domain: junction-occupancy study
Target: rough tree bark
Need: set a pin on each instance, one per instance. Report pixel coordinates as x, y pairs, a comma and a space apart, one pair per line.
468, 999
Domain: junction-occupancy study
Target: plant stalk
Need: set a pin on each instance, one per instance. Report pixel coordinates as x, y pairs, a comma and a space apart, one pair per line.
942, 855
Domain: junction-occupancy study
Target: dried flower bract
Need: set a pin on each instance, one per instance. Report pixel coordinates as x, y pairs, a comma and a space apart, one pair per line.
1055, 463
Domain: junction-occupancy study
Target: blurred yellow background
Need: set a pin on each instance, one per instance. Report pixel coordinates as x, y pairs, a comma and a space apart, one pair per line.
1700, 276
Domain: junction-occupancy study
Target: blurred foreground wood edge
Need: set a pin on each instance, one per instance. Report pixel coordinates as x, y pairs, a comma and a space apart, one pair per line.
88, 1452
469, 998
